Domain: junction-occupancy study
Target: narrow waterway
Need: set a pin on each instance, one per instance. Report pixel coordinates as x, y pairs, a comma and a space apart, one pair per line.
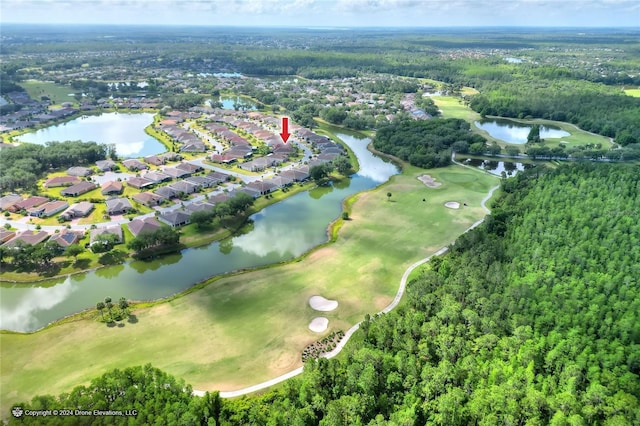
279, 232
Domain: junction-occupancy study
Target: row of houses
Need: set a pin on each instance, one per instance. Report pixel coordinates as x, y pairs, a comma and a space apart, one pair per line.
181, 217
239, 147
188, 185
255, 189
188, 140
328, 150
31, 113
35, 206
67, 237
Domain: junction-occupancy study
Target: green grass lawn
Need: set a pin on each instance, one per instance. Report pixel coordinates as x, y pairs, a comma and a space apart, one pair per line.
453, 107
242, 329
633, 92
56, 92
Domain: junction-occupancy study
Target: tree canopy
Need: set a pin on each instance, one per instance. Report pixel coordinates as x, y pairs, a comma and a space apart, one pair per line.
23, 165
531, 318
425, 143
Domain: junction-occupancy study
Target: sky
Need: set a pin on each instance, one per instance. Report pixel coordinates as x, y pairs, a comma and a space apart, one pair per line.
327, 13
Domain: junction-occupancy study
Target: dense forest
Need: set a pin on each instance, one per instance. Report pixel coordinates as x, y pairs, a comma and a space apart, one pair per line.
23, 165
143, 395
428, 143
560, 74
532, 318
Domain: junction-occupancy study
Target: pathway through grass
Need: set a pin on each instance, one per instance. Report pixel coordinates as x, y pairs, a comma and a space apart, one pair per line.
248, 328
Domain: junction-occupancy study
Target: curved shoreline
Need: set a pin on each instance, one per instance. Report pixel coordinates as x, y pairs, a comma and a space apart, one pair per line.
331, 233
341, 344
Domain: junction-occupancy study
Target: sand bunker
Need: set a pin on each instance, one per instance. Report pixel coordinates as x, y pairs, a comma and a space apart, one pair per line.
319, 303
318, 324
452, 204
429, 181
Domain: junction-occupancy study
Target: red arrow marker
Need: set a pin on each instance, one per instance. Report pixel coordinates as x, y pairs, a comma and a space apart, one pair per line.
285, 130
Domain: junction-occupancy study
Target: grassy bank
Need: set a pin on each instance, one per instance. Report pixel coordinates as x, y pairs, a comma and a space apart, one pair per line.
245, 328
454, 107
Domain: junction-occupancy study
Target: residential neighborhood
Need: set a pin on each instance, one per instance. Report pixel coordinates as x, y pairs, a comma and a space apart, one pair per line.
236, 152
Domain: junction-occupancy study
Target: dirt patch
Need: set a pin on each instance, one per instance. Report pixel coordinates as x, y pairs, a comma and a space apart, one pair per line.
318, 324
319, 303
323, 253
452, 204
285, 361
429, 181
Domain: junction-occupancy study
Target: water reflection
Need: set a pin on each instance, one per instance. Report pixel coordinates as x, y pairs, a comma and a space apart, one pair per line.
279, 239
22, 314
509, 168
279, 232
125, 131
371, 166
516, 133
317, 193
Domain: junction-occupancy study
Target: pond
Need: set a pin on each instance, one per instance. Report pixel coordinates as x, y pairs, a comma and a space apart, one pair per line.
510, 168
516, 133
280, 232
125, 131
235, 103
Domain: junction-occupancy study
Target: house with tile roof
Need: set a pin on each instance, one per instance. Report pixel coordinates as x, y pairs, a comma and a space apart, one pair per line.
81, 209
113, 187
9, 201
147, 224
78, 189
61, 181
79, 171
148, 199
114, 229
117, 206
175, 218
134, 165
139, 182
27, 237
106, 165
26, 204
48, 209
67, 237
166, 192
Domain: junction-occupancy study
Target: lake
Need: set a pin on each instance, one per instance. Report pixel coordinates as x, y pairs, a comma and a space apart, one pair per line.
126, 131
516, 133
279, 232
510, 168
230, 102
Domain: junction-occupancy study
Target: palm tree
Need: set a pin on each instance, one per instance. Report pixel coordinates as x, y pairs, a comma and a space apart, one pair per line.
109, 305
100, 307
123, 304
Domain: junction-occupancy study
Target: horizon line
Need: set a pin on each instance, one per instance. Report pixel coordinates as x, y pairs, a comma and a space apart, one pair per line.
104, 24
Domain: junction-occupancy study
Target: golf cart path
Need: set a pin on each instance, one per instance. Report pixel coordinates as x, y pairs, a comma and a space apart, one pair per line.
349, 333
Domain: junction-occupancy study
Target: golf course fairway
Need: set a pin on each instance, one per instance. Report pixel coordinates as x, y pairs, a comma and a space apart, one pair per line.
246, 328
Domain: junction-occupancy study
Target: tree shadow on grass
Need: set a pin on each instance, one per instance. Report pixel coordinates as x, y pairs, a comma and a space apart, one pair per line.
113, 257
81, 263
50, 270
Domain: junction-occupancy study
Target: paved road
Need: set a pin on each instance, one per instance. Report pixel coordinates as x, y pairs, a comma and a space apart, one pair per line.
349, 333
23, 225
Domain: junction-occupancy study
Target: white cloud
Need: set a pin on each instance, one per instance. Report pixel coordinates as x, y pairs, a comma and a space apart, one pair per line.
329, 12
